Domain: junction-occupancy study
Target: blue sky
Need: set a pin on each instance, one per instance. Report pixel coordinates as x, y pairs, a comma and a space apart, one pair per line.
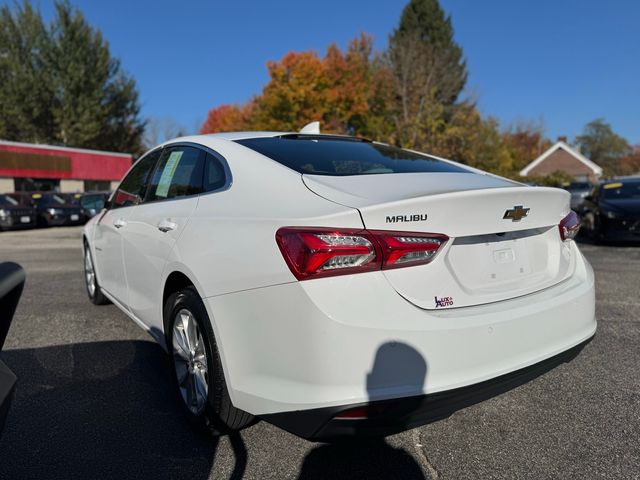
564, 62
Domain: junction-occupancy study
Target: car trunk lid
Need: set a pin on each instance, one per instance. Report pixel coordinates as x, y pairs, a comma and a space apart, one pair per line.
488, 257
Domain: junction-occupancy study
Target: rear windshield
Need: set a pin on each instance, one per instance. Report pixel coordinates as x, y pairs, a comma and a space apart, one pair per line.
620, 190
579, 186
320, 155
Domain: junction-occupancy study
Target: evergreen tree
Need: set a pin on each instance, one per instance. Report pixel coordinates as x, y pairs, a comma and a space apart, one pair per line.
60, 85
428, 68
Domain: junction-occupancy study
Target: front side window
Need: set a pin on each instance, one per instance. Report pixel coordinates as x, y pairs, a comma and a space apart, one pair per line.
179, 174
132, 188
336, 156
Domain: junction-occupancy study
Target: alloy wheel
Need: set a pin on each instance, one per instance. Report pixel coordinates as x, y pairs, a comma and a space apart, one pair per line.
190, 361
89, 273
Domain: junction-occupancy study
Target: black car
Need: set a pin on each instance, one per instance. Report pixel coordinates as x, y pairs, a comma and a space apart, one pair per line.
15, 214
53, 209
612, 211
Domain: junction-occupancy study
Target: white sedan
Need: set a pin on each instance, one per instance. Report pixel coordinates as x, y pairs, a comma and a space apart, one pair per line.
335, 286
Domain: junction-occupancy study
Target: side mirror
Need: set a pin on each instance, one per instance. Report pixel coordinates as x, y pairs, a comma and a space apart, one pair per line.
12, 279
589, 198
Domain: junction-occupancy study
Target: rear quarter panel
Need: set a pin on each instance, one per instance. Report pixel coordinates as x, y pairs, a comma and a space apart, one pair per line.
229, 243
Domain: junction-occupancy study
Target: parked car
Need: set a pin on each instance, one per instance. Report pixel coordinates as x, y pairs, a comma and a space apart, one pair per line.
75, 199
612, 211
92, 203
14, 214
335, 286
52, 209
12, 279
578, 191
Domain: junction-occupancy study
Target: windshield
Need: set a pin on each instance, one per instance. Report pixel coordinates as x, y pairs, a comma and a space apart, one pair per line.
53, 200
7, 200
336, 156
620, 190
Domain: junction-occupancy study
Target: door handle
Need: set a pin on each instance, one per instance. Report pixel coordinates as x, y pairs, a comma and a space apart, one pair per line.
167, 225
119, 223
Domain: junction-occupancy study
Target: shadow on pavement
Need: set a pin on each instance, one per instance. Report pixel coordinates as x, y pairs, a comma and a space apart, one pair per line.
360, 459
395, 365
101, 410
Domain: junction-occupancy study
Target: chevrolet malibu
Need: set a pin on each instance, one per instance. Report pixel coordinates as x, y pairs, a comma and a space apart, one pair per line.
336, 286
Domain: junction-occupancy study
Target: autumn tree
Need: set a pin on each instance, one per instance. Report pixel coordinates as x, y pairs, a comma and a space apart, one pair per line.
630, 164
602, 145
59, 83
346, 91
296, 94
526, 142
228, 118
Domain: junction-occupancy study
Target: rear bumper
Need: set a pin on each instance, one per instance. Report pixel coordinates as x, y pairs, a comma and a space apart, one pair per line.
353, 340
394, 416
7, 389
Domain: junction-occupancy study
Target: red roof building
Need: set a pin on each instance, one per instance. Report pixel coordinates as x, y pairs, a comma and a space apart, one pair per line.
28, 167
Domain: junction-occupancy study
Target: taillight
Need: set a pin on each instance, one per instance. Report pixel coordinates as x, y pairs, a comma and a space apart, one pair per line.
406, 249
569, 226
320, 252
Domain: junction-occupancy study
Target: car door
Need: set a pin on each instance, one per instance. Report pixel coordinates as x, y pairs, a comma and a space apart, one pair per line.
154, 226
108, 231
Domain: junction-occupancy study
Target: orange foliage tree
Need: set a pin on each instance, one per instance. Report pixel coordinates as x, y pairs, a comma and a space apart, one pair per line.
228, 118
347, 92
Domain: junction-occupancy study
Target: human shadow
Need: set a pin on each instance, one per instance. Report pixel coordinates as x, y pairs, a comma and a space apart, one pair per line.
102, 410
396, 367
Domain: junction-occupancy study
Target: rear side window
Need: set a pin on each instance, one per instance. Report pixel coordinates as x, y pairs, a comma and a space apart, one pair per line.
214, 174
131, 189
179, 174
326, 155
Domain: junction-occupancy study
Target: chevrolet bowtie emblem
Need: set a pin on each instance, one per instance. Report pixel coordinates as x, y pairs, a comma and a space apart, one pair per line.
516, 213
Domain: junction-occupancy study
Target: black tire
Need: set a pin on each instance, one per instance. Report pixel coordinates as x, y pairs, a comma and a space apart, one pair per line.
96, 296
219, 416
592, 230
41, 222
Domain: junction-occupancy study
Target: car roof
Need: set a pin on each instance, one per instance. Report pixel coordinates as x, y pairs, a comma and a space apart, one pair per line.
232, 136
244, 135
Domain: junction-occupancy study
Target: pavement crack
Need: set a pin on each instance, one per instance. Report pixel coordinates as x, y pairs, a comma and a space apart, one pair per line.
426, 464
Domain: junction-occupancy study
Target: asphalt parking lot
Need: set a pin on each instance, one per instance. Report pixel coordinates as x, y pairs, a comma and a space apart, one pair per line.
93, 398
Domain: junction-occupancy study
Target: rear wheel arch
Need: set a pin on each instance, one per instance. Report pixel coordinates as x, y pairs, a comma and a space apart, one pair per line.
178, 290
175, 282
